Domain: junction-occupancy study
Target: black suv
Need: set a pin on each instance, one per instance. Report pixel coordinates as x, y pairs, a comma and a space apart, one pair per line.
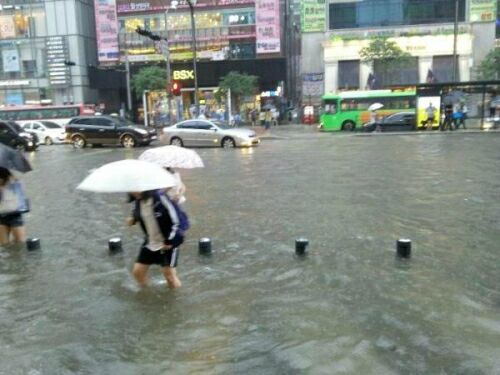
11, 134
109, 130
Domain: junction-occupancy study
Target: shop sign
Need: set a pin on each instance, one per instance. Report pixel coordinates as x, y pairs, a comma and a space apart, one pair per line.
483, 10
12, 83
7, 27
312, 84
106, 22
313, 16
268, 32
135, 6
183, 75
57, 53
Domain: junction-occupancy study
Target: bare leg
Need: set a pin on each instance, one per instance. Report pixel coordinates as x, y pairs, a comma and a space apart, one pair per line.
170, 275
19, 234
4, 235
140, 272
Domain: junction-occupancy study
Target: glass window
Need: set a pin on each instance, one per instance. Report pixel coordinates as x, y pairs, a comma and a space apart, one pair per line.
403, 75
348, 74
368, 13
442, 67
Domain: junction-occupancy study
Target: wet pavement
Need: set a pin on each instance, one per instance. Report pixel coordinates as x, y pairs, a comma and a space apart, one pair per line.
349, 307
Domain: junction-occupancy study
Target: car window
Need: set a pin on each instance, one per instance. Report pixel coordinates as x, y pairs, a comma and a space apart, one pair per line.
50, 125
102, 122
395, 118
187, 125
27, 126
37, 127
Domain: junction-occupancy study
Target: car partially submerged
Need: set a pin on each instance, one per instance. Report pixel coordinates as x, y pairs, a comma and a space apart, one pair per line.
207, 133
401, 121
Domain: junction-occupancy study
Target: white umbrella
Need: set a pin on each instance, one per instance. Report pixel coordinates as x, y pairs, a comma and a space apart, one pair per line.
172, 157
375, 106
127, 176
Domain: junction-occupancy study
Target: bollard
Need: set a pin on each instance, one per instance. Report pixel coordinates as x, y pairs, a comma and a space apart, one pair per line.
403, 247
115, 245
205, 246
33, 244
301, 246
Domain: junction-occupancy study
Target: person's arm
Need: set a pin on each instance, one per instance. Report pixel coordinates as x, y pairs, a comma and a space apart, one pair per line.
171, 231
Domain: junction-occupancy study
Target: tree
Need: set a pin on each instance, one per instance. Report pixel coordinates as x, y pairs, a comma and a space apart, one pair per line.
149, 78
490, 66
386, 56
240, 85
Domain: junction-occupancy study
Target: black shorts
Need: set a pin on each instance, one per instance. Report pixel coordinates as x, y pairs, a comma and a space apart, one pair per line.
164, 258
12, 220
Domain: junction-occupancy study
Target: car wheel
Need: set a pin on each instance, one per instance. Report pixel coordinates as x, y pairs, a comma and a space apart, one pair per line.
228, 143
176, 141
348, 126
48, 141
78, 141
128, 141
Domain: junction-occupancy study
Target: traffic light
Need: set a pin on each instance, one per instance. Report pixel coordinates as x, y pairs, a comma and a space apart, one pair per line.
147, 33
176, 88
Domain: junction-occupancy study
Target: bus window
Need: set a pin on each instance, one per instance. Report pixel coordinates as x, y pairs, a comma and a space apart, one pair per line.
330, 107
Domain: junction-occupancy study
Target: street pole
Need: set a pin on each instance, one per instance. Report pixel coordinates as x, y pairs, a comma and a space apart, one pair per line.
127, 77
145, 107
193, 30
169, 74
455, 38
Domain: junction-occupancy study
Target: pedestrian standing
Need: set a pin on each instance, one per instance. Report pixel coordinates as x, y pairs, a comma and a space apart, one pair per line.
447, 123
159, 219
253, 116
431, 115
268, 118
11, 218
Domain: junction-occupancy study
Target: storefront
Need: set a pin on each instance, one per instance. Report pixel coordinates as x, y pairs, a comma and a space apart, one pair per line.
432, 59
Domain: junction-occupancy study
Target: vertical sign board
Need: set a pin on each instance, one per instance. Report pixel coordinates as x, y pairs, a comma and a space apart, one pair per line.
10, 60
57, 53
313, 16
483, 10
267, 13
106, 23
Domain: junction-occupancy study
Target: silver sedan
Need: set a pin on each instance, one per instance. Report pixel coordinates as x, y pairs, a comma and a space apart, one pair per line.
206, 133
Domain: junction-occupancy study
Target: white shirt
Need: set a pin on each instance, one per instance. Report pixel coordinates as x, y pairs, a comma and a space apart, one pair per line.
156, 241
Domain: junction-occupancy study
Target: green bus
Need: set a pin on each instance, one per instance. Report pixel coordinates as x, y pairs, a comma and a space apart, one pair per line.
348, 110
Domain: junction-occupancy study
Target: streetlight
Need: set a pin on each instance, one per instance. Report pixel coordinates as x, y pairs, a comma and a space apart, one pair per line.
455, 37
173, 5
191, 4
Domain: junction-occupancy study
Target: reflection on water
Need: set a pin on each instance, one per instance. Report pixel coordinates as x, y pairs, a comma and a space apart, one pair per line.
349, 307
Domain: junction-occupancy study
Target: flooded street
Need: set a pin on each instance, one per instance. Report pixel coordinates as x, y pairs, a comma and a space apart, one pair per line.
253, 307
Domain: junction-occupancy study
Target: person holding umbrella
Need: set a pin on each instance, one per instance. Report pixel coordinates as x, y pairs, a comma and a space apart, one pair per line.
153, 210
13, 202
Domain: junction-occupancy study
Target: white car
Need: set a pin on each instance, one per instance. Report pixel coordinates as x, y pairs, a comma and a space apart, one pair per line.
206, 133
48, 132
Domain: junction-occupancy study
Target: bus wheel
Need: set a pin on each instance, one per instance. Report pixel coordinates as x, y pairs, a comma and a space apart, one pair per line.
348, 126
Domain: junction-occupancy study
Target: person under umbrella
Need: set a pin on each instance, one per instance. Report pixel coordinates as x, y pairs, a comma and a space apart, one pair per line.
13, 202
171, 158
153, 210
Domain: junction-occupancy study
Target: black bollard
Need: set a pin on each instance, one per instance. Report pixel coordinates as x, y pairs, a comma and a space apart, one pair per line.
403, 247
205, 246
115, 245
301, 246
33, 244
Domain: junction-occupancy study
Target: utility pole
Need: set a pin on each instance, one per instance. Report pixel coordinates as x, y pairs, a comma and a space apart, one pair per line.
191, 4
173, 5
455, 39
127, 78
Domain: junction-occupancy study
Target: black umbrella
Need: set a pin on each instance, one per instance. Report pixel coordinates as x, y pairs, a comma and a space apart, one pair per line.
13, 159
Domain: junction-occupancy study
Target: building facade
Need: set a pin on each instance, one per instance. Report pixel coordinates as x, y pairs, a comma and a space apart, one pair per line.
36, 37
334, 32
232, 35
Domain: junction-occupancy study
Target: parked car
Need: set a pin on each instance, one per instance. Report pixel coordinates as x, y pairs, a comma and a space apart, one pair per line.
109, 130
47, 132
400, 121
11, 134
206, 133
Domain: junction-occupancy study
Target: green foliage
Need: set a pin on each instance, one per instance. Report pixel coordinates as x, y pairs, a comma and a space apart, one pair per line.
239, 84
489, 68
149, 78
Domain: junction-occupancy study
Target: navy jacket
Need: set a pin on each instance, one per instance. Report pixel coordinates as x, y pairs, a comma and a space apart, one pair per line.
166, 216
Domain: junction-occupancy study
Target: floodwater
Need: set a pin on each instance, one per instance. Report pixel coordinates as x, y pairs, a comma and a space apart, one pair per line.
253, 307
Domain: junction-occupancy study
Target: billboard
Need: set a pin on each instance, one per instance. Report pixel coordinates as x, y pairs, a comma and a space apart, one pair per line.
127, 6
313, 16
268, 32
106, 22
10, 59
483, 10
